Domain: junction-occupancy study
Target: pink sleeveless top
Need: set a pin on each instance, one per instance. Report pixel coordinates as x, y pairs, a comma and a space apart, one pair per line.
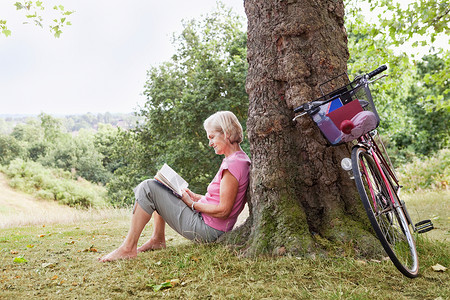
238, 164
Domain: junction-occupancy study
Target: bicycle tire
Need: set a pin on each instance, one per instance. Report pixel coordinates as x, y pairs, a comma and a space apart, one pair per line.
388, 220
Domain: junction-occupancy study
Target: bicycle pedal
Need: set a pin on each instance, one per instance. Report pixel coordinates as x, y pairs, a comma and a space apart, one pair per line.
424, 226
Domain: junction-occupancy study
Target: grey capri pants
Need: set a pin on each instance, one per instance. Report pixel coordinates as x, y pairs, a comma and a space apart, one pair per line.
151, 196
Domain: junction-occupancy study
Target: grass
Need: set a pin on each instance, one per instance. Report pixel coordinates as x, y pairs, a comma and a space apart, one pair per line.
62, 263
433, 205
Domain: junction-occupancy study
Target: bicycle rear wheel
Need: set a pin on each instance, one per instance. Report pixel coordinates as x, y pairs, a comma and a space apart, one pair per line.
385, 215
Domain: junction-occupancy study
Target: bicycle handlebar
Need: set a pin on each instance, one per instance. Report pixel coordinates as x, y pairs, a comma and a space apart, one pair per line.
299, 109
307, 106
377, 71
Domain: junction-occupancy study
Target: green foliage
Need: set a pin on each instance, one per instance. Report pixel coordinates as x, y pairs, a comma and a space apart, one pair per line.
33, 13
51, 127
413, 102
104, 142
10, 148
427, 173
5, 127
420, 23
128, 152
54, 184
87, 153
421, 19
207, 74
4, 28
77, 154
434, 70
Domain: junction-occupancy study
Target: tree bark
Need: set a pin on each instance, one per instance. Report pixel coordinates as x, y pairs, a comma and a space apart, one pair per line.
301, 201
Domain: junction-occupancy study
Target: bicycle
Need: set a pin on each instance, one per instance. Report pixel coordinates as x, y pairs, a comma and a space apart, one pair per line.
349, 114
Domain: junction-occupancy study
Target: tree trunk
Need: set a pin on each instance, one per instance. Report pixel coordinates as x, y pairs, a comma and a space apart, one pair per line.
301, 201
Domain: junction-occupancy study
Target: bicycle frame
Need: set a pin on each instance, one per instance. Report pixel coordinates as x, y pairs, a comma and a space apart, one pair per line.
375, 155
370, 144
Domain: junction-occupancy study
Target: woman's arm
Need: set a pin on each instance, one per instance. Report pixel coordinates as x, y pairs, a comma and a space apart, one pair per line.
228, 190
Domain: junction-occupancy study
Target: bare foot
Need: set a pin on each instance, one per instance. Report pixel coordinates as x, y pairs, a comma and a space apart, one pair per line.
119, 253
152, 244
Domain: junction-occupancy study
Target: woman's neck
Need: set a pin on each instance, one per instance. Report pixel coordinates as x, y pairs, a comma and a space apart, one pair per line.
233, 149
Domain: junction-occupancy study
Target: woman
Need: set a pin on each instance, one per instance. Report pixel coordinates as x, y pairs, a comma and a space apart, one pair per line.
196, 217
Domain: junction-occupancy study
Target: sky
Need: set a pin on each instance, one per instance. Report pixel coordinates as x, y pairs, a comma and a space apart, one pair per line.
100, 62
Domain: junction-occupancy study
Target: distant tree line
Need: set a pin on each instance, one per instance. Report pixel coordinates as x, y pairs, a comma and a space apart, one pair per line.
45, 140
74, 123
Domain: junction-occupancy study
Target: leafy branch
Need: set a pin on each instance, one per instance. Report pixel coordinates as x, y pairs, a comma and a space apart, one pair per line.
33, 11
422, 19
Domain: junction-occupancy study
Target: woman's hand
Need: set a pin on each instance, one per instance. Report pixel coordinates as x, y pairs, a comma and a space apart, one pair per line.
195, 197
186, 198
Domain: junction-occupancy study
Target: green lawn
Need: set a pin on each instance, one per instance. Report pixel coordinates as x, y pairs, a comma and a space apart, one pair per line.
61, 262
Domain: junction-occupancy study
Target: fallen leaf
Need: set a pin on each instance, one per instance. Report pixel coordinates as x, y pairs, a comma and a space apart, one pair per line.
30, 246
167, 284
175, 282
41, 235
20, 259
47, 265
164, 285
90, 249
14, 252
54, 277
439, 268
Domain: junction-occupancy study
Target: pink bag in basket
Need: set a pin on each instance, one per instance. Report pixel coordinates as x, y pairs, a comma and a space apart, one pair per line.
360, 124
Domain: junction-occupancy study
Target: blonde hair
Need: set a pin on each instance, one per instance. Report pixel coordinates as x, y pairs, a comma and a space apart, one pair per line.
227, 123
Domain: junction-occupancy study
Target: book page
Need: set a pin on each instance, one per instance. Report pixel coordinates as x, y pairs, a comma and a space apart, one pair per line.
171, 178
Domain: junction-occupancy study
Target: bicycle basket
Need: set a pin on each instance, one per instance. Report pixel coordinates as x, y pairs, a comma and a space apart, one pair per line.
346, 114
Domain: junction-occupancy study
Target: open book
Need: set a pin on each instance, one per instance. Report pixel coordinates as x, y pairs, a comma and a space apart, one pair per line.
169, 178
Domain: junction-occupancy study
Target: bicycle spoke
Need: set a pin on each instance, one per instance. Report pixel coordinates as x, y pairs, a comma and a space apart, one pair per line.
384, 213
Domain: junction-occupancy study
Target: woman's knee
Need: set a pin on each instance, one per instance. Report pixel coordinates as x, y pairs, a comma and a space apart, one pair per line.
146, 186
144, 194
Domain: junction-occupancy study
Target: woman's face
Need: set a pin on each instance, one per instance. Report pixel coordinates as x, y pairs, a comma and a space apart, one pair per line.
218, 142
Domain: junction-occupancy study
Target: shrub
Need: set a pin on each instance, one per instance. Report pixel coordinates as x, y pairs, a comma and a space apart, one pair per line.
427, 173
32, 177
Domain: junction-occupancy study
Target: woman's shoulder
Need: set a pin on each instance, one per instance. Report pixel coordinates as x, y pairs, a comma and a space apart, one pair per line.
238, 157
238, 160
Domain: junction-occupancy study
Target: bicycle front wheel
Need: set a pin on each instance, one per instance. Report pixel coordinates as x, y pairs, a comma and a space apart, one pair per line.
385, 214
